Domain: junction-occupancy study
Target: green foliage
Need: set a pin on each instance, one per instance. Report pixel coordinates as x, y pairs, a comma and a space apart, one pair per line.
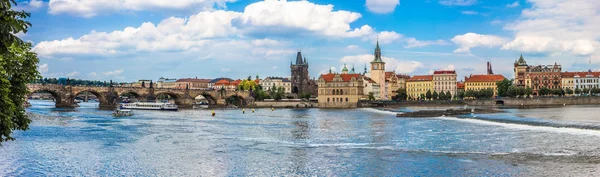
480, 94
12, 22
569, 91
577, 91
544, 91
422, 96
248, 85
371, 96
402, 95
460, 94
435, 95
448, 95
18, 67
428, 95
442, 96
528, 91
503, 86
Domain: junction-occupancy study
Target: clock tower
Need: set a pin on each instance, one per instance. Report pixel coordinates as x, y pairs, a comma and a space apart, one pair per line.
378, 70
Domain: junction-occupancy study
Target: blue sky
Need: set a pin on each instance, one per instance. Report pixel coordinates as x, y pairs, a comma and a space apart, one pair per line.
127, 40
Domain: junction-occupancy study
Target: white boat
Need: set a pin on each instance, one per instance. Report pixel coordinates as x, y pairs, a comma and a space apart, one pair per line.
77, 101
150, 106
122, 113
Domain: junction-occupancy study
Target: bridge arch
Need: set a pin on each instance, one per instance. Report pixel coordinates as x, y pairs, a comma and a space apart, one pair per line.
100, 96
176, 97
55, 94
135, 94
236, 100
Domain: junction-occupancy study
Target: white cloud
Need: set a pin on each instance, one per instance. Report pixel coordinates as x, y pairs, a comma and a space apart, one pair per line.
552, 27
274, 67
457, 2
470, 40
321, 19
43, 68
382, 6
265, 42
386, 37
113, 73
412, 43
514, 4
449, 67
36, 4
90, 8
399, 66
170, 34
352, 47
469, 12
74, 73
93, 74
225, 69
496, 22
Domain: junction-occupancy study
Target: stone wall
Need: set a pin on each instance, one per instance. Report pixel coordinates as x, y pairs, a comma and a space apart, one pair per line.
537, 101
275, 104
410, 103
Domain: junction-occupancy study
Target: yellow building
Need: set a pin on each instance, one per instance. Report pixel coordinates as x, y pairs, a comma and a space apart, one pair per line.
568, 80
402, 80
391, 81
419, 85
340, 90
484, 81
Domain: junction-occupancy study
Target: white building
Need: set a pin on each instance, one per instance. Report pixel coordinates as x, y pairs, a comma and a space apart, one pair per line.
268, 83
371, 86
587, 80
444, 81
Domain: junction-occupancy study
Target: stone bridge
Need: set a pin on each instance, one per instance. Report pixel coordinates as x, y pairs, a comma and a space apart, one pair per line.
64, 96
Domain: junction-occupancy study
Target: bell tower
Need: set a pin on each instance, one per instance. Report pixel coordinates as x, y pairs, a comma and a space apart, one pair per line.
378, 69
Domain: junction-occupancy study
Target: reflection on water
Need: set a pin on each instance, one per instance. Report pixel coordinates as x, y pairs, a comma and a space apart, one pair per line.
86, 141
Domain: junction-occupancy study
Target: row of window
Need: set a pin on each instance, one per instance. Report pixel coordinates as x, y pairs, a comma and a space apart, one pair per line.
480, 83
336, 100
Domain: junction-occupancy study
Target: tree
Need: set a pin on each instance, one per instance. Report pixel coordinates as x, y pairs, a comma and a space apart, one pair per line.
18, 67
461, 94
503, 87
577, 91
12, 22
511, 92
528, 91
569, 91
448, 95
442, 95
422, 96
402, 95
371, 96
428, 95
435, 95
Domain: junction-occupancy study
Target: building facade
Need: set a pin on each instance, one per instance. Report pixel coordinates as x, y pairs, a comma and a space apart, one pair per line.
537, 77
568, 80
484, 81
166, 83
402, 80
445, 81
142, 83
586, 80
340, 90
371, 87
275, 82
192, 83
419, 85
391, 81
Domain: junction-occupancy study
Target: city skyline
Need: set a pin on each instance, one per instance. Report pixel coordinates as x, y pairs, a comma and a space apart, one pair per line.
149, 39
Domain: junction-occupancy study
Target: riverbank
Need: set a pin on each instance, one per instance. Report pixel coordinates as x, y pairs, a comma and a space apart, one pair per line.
447, 112
274, 104
539, 101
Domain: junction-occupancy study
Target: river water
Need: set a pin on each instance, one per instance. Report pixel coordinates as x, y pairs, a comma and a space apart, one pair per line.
562, 141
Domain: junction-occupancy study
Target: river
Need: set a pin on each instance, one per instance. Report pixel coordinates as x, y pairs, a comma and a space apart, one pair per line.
85, 141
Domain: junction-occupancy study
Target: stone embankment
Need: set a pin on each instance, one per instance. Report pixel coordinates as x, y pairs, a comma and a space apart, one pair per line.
539, 101
433, 103
275, 104
447, 112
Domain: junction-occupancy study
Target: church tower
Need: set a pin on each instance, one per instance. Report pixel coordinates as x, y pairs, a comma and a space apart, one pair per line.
378, 70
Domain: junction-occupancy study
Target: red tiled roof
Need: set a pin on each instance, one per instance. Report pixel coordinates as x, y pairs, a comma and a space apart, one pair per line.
222, 82
485, 78
345, 77
236, 82
421, 78
368, 79
580, 74
389, 74
444, 72
460, 85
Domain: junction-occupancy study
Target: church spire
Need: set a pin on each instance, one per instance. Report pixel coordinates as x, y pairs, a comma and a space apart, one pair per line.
352, 70
377, 54
365, 69
299, 58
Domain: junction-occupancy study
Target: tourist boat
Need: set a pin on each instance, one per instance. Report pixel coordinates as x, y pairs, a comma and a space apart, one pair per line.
150, 106
122, 113
201, 105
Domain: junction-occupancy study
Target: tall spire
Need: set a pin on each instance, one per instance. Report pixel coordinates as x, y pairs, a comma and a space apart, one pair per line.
377, 53
329, 69
345, 70
299, 58
305, 61
365, 69
352, 71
